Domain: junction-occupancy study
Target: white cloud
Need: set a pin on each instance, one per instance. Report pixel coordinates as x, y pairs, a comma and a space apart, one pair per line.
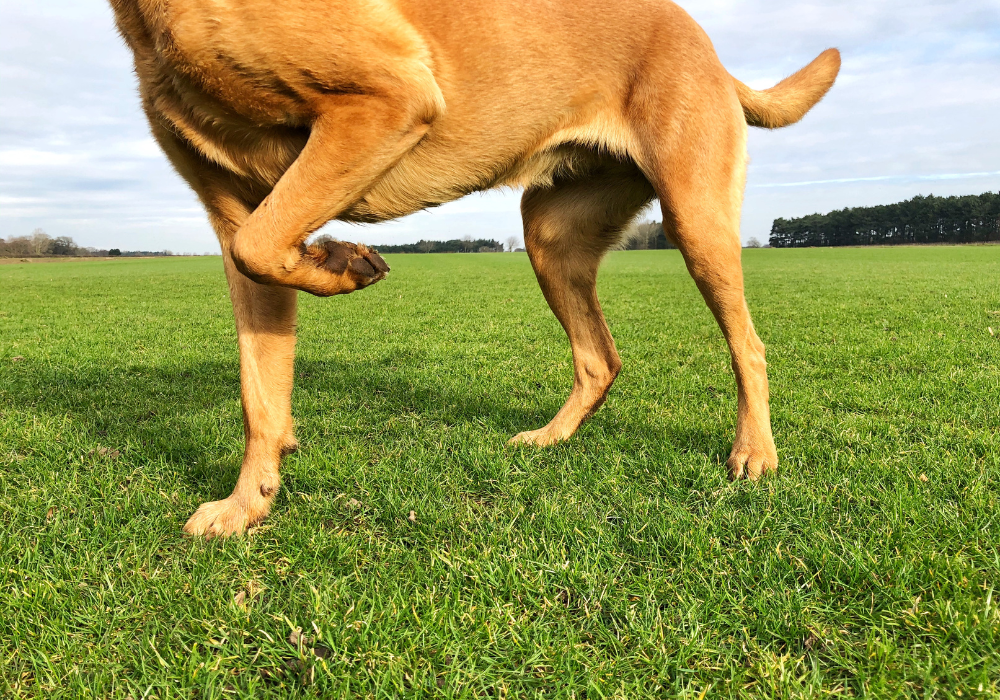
913, 112
32, 157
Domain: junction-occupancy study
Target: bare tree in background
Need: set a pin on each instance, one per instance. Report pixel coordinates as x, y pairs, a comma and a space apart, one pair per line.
426, 246
467, 243
644, 235
753, 243
320, 240
40, 242
512, 243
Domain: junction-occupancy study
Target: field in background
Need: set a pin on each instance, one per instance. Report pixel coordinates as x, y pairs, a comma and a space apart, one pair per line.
621, 564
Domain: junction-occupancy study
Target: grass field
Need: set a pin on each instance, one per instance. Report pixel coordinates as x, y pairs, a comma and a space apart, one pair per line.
621, 564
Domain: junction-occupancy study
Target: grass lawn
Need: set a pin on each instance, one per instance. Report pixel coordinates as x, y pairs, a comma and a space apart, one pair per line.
620, 564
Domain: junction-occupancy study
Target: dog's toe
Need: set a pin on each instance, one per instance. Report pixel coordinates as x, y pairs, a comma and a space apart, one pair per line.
750, 463
369, 267
362, 267
376, 261
338, 256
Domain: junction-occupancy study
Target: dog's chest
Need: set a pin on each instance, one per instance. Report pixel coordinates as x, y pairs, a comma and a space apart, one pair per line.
248, 147
236, 116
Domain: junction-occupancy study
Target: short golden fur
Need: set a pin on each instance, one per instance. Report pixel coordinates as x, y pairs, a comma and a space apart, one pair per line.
285, 115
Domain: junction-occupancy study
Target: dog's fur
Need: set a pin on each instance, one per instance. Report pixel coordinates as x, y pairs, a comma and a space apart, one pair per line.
285, 115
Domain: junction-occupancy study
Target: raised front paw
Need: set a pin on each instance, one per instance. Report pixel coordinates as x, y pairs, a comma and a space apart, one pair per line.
352, 266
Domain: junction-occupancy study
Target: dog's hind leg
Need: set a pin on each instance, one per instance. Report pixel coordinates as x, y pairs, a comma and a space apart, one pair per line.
568, 228
698, 165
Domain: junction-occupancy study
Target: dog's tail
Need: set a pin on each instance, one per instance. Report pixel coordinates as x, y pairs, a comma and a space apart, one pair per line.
789, 100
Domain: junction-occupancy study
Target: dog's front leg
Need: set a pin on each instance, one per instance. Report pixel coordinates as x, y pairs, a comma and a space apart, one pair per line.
354, 141
265, 325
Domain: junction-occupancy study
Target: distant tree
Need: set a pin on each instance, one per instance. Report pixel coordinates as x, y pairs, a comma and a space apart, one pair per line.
114, 252
426, 246
36, 244
468, 245
40, 242
17, 247
647, 235
753, 243
63, 245
512, 243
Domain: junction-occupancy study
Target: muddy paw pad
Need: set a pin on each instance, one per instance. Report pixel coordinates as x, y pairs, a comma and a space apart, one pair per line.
364, 265
374, 259
338, 256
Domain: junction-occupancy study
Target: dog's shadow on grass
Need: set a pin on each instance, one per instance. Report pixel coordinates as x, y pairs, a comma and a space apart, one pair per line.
191, 414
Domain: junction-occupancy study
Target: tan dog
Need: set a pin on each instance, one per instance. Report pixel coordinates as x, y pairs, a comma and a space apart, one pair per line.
285, 115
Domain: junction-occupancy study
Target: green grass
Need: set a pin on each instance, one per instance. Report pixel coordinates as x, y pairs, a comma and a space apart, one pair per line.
621, 564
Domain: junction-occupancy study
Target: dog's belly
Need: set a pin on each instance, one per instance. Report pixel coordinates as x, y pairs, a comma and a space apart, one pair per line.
441, 168
427, 179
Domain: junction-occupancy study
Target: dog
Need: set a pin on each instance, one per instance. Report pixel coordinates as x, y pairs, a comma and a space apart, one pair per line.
285, 116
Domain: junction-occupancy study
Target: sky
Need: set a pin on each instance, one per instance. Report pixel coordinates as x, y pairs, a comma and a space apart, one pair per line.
913, 112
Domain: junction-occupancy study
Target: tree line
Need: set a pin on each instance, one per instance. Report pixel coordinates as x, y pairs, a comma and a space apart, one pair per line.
930, 219
479, 245
40, 245
466, 244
